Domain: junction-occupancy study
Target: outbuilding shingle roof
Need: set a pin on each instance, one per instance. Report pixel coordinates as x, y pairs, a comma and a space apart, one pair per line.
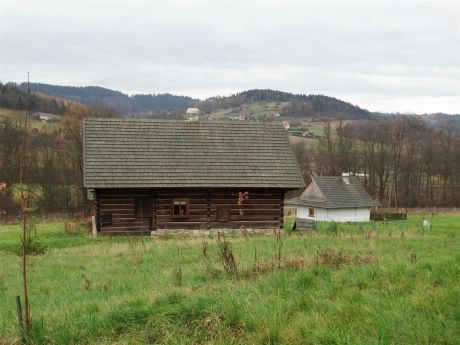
150, 153
334, 192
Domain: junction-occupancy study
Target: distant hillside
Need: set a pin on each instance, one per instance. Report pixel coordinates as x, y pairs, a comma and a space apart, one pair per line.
12, 97
290, 105
318, 106
251, 104
441, 118
121, 102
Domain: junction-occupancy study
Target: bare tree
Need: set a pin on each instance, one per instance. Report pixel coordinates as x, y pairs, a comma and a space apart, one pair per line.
336, 152
24, 239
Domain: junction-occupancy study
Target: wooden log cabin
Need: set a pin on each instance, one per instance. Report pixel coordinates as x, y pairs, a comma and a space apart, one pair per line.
146, 175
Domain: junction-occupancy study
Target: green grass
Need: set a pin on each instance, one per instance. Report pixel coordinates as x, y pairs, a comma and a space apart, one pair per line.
34, 193
257, 109
329, 289
447, 224
18, 115
260, 110
51, 234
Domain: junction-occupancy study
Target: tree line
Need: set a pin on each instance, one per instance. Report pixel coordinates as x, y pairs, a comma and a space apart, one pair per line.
123, 103
298, 105
403, 162
53, 162
12, 97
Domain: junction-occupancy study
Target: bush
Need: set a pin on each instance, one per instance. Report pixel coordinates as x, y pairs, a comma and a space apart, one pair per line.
33, 247
226, 256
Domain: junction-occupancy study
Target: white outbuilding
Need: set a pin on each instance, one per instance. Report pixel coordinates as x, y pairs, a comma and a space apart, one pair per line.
192, 111
333, 198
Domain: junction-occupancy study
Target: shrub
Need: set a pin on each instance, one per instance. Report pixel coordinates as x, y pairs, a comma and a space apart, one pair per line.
226, 256
338, 258
33, 247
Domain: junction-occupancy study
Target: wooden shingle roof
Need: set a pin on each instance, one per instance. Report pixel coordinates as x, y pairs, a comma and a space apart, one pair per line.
334, 192
144, 153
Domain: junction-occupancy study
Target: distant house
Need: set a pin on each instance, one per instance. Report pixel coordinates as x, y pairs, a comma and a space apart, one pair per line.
308, 134
273, 116
146, 175
334, 198
192, 111
43, 116
239, 117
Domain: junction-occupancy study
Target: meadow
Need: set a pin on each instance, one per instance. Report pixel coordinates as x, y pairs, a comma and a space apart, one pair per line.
395, 284
17, 115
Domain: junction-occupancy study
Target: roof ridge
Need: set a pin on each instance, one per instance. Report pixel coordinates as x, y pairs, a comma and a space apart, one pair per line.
216, 122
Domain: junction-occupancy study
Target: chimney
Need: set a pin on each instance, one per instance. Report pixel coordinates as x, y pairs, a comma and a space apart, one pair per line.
346, 178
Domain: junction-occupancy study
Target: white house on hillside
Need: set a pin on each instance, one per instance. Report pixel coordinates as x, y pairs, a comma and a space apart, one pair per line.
192, 111
43, 116
334, 198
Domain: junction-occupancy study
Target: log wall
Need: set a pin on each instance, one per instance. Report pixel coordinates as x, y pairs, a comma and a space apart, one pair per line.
116, 212
207, 209
220, 209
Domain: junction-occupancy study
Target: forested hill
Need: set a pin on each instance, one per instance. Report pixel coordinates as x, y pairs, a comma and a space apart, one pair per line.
12, 97
292, 105
289, 105
121, 102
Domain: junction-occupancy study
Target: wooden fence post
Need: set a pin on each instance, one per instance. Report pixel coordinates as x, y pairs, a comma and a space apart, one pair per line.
20, 318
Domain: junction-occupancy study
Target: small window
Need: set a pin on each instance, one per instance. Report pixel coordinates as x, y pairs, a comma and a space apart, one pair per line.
311, 212
180, 208
223, 214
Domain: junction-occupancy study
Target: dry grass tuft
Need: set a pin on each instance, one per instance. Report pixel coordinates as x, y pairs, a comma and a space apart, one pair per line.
177, 276
87, 283
227, 257
337, 258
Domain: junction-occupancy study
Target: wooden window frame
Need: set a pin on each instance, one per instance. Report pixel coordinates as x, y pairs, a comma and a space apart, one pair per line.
311, 212
187, 208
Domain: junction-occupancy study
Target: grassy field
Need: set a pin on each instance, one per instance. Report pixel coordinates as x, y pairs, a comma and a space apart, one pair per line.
17, 115
306, 141
349, 287
11, 114
258, 109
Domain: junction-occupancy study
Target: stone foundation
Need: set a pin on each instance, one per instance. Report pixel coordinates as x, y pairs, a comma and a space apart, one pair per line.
207, 232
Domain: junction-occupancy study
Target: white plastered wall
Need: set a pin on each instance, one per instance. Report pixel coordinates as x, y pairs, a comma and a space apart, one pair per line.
336, 215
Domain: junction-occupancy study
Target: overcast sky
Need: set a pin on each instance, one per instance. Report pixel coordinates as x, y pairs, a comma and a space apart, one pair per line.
381, 55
